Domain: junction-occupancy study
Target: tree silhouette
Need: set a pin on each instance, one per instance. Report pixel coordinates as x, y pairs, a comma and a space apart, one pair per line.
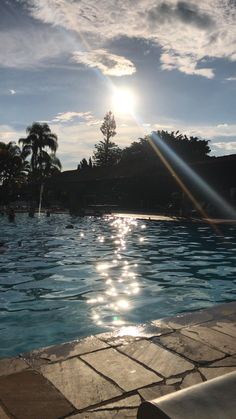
39, 140
13, 166
83, 164
90, 163
107, 153
191, 149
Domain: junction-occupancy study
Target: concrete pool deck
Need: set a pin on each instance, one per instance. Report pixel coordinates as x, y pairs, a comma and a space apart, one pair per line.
108, 375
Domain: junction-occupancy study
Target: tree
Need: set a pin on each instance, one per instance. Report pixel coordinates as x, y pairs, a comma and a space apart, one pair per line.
51, 165
139, 152
90, 163
83, 164
13, 166
14, 170
191, 149
38, 142
107, 153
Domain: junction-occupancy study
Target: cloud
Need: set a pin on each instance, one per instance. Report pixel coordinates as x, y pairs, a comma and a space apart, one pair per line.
8, 133
109, 64
231, 145
30, 47
185, 63
219, 131
224, 147
12, 91
187, 32
222, 125
86, 117
182, 11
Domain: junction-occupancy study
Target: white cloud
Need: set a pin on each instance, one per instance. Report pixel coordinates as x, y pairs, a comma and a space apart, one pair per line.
109, 64
203, 131
7, 133
222, 125
31, 47
12, 91
85, 117
188, 32
228, 147
186, 64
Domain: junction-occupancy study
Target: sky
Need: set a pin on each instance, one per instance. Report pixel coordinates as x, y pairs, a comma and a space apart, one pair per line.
62, 60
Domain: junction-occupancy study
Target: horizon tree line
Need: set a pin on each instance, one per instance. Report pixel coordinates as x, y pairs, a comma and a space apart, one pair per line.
107, 153
34, 160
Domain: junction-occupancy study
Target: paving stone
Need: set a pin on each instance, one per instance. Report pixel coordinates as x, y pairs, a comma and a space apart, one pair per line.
12, 365
34, 362
230, 361
28, 395
3, 414
155, 328
113, 339
108, 414
162, 325
229, 328
189, 319
80, 384
132, 401
192, 349
191, 379
231, 317
130, 334
210, 373
174, 380
128, 374
158, 359
68, 350
212, 337
150, 393
224, 310
217, 312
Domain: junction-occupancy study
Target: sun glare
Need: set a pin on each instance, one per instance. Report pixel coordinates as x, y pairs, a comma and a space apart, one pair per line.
123, 101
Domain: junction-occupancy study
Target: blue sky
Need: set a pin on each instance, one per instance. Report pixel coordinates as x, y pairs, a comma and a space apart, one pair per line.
61, 59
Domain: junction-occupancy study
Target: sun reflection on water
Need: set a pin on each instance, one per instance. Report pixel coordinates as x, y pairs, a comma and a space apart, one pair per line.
120, 276
129, 331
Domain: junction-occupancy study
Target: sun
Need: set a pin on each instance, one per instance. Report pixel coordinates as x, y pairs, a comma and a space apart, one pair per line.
123, 101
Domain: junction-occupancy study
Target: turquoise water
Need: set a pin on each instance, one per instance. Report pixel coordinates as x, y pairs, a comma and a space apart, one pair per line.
59, 284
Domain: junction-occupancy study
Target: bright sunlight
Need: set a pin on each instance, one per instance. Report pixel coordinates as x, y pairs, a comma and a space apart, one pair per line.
123, 101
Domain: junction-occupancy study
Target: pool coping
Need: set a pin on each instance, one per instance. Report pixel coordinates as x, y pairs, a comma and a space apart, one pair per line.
108, 375
174, 218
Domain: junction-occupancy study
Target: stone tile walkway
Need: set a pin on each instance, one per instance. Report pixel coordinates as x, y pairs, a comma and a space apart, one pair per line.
108, 375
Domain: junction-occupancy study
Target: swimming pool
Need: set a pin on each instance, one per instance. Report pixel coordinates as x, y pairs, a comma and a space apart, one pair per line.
59, 284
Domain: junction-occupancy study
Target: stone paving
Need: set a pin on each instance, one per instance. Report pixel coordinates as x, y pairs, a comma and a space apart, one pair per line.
108, 375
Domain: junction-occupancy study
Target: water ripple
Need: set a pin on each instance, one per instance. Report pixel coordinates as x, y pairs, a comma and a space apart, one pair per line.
59, 284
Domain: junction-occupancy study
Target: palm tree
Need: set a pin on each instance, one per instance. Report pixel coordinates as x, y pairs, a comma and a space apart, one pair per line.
38, 139
41, 144
50, 164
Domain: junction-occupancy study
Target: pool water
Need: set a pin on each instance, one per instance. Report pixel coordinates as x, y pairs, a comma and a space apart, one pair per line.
59, 284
